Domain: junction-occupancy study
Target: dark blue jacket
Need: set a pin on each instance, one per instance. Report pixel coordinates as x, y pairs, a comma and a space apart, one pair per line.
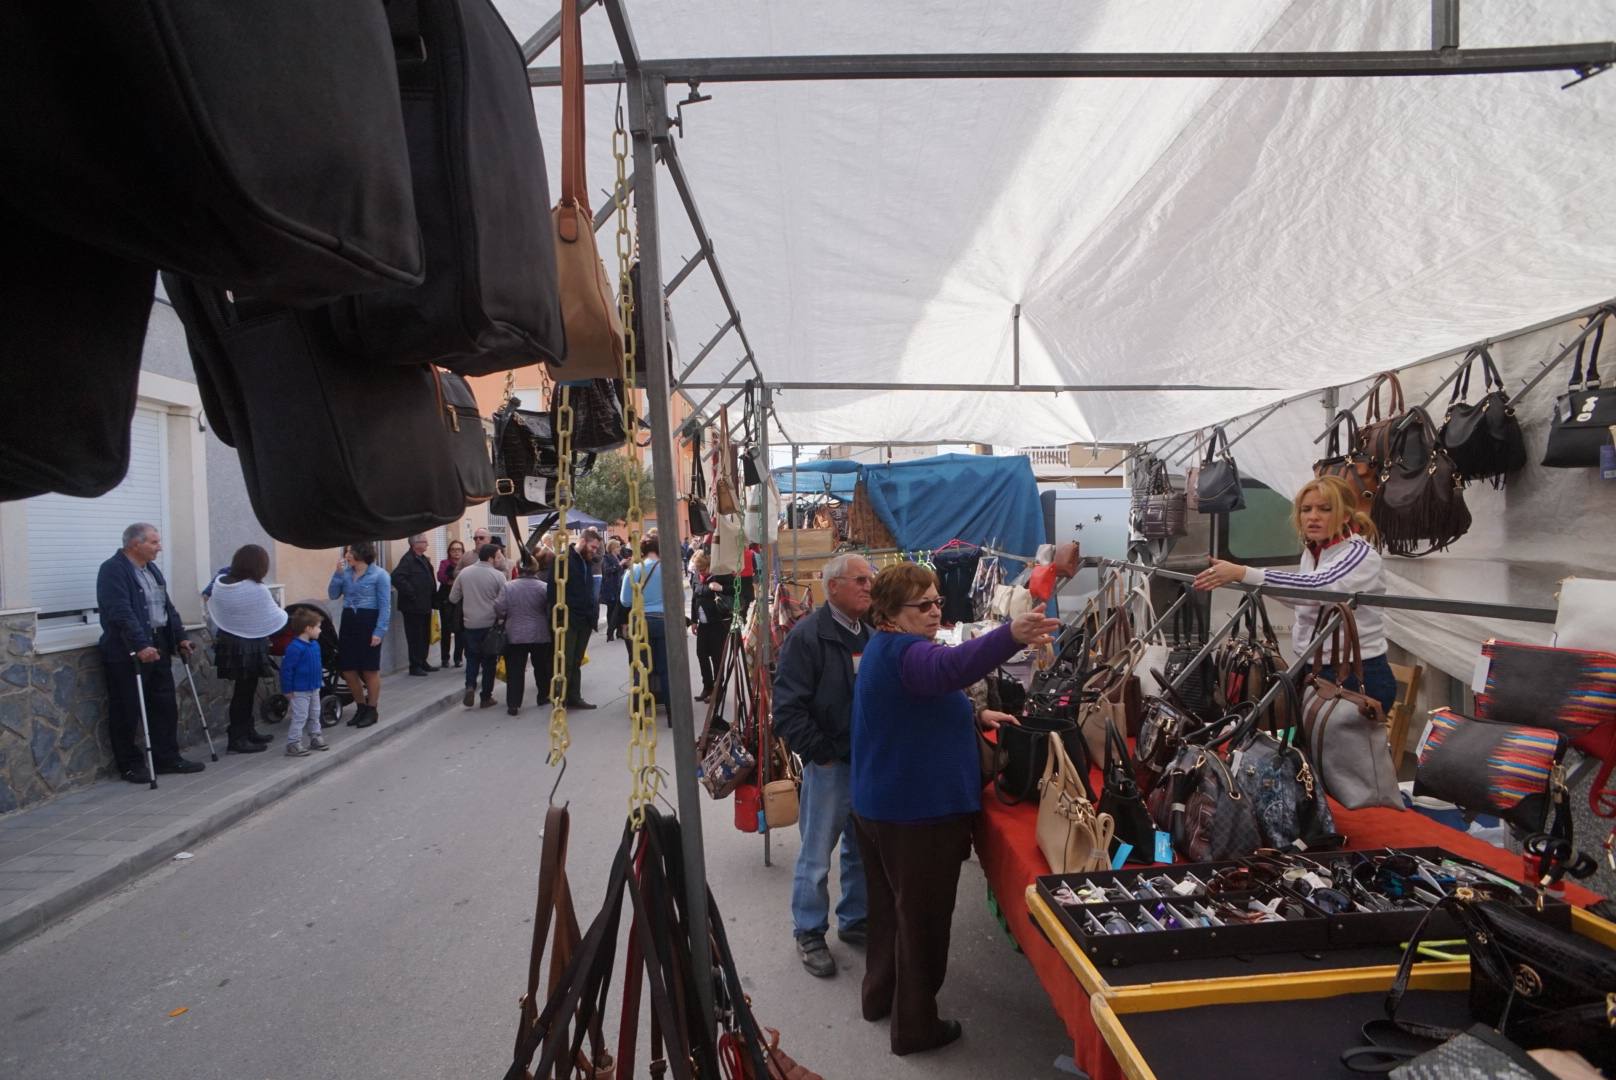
300, 667
582, 605
813, 690
126, 625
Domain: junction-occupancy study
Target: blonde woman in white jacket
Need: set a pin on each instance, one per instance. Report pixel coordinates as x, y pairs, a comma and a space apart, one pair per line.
1338, 555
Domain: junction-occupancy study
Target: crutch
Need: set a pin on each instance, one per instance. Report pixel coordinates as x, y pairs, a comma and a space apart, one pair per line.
200, 715
145, 726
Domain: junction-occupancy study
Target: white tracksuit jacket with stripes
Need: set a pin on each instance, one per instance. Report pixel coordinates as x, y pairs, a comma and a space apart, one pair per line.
1347, 566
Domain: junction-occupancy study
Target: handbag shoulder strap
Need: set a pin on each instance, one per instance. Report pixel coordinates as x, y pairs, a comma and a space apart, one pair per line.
1489, 371
1590, 380
574, 185
1461, 385
1333, 448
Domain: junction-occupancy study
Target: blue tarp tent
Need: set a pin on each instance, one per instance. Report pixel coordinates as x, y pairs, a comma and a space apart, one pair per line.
928, 502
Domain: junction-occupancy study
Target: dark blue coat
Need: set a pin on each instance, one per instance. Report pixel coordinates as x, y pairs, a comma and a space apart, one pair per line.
582, 605
126, 625
813, 690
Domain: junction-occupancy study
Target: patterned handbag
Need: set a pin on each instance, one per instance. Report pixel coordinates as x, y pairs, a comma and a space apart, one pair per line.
1491, 767
726, 762
1276, 778
1572, 691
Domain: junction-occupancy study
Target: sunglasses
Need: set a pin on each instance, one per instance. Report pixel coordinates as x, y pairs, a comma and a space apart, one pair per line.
926, 605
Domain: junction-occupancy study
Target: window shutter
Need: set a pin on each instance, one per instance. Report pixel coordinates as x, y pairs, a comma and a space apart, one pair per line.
68, 537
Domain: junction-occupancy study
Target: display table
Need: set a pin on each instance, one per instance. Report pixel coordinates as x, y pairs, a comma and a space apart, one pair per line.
1007, 846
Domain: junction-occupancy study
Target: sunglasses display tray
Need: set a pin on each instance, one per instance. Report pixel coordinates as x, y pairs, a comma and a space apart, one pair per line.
1264, 905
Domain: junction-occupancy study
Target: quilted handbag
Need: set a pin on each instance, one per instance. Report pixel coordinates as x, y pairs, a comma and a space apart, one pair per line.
1276, 778
1491, 768
1479, 1053
594, 329
1218, 483
1483, 439
1161, 513
1197, 691
1375, 434
1421, 500
1347, 738
526, 463
597, 415
1583, 415
257, 148
489, 300
1345, 460
1073, 838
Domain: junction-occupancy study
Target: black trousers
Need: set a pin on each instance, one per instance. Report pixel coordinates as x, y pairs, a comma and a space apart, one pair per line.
417, 635
517, 657
241, 708
710, 638
614, 616
123, 712
912, 873
578, 631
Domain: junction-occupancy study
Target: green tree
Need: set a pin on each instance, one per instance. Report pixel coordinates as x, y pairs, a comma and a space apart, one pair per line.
604, 492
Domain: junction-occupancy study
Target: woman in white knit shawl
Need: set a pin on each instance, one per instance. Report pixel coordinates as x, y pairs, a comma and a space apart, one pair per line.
246, 615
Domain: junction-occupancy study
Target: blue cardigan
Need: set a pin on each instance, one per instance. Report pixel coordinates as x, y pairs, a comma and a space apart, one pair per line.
126, 624
914, 757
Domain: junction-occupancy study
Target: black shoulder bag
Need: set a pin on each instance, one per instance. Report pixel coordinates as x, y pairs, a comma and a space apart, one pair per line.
1217, 488
1583, 415
1484, 440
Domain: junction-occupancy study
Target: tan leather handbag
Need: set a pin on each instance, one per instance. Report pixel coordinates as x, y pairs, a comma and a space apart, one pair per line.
588, 309
781, 796
1071, 835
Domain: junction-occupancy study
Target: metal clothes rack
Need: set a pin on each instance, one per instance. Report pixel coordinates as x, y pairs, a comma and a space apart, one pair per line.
645, 89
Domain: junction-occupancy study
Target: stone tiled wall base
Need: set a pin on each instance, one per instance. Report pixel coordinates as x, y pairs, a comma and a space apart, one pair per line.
53, 714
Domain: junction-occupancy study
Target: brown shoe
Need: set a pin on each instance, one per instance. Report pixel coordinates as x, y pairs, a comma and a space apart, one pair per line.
470, 699
486, 703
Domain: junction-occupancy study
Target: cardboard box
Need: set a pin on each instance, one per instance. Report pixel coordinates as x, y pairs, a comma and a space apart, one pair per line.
808, 541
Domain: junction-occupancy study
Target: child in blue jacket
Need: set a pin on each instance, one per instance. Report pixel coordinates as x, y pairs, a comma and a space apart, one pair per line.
300, 682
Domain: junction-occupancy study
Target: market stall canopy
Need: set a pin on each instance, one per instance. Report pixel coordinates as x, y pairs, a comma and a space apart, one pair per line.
926, 502
1285, 233
836, 477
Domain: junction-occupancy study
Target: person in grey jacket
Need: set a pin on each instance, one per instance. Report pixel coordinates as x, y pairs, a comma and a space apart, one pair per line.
813, 712
475, 590
523, 604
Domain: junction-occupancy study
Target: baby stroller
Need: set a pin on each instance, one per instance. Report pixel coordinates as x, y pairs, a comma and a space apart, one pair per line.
334, 694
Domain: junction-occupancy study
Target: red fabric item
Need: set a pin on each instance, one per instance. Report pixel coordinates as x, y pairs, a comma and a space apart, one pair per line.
1042, 582
1007, 845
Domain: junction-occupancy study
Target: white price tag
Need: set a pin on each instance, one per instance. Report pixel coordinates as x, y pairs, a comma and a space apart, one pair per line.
536, 489
1478, 678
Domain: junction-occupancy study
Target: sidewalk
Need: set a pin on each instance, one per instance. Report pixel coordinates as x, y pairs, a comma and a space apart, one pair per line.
63, 854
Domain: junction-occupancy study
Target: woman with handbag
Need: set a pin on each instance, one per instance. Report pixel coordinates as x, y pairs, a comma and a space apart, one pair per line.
245, 613
1338, 555
709, 618
449, 613
916, 790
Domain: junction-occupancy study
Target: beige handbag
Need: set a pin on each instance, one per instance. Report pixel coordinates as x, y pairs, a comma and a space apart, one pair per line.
1011, 600
588, 308
780, 797
1071, 835
1116, 698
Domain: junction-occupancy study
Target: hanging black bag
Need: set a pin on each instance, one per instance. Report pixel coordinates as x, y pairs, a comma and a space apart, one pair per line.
1121, 799
1217, 487
467, 438
75, 322
1484, 440
258, 146
331, 447
526, 462
1421, 497
489, 301
1583, 415
1190, 633
597, 415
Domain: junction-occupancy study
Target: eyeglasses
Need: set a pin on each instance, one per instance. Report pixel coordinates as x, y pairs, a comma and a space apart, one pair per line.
926, 605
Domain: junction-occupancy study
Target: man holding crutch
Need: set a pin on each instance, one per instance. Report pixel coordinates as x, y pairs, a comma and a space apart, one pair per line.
139, 626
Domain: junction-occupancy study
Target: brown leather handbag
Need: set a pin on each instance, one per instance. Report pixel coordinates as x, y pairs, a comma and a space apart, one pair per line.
1375, 436
1421, 496
588, 308
1350, 464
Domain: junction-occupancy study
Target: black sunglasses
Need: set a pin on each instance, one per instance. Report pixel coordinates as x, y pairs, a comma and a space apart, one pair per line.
927, 604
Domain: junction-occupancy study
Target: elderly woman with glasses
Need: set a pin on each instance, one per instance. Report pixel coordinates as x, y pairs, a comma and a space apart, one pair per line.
917, 787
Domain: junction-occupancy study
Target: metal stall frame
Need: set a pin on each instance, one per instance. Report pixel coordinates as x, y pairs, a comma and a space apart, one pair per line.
645, 83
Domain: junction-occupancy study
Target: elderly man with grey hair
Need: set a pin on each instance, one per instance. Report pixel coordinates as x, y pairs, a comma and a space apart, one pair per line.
140, 626
416, 583
813, 712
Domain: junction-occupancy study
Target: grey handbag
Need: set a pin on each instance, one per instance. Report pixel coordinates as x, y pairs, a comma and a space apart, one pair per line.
1217, 486
1277, 780
1347, 737
1477, 1054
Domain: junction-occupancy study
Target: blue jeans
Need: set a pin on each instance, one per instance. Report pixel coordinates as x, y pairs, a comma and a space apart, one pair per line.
476, 662
656, 633
1380, 683
824, 815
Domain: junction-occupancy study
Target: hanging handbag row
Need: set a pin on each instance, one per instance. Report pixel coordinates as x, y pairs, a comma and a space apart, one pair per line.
350, 274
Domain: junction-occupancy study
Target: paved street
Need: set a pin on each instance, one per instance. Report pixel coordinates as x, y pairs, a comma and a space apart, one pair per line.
375, 923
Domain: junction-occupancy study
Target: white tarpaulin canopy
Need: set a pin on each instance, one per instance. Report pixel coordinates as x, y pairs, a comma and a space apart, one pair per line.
1285, 233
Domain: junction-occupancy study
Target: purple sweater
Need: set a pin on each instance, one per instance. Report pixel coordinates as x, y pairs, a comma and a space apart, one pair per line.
929, 669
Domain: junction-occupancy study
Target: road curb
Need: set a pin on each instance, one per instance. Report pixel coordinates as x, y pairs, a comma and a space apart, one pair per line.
88, 886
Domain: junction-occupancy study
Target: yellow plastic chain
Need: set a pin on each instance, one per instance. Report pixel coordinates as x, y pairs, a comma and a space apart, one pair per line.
646, 782
560, 738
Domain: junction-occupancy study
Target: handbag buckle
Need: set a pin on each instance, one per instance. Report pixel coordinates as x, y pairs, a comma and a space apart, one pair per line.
505, 486
1528, 983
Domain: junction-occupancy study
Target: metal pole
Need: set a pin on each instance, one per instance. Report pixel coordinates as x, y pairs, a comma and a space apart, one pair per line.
1212, 641
762, 581
1444, 24
1000, 388
1179, 65
685, 271
1593, 324
714, 388
1015, 344
647, 106
548, 34
705, 349
796, 522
